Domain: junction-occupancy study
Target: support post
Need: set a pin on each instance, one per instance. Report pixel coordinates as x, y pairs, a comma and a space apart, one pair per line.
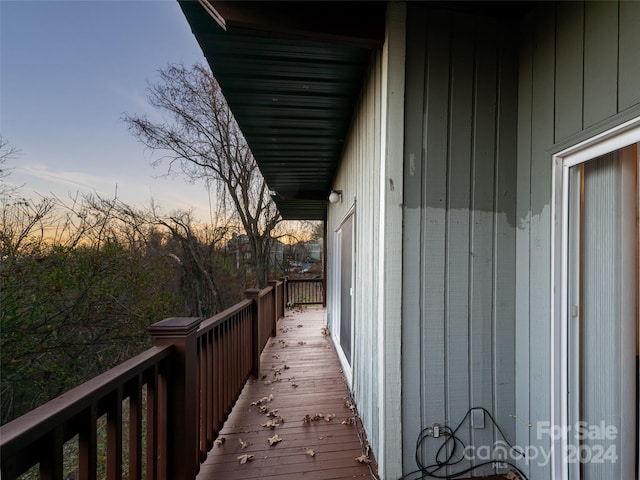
276, 306
182, 408
253, 294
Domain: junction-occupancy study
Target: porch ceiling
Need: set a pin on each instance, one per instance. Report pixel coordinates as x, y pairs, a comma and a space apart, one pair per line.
291, 73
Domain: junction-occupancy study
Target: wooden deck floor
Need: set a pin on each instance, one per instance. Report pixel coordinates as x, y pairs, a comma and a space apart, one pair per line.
300, 377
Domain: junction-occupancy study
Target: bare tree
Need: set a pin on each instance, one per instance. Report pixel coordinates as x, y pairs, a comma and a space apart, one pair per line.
200, 138
7, 152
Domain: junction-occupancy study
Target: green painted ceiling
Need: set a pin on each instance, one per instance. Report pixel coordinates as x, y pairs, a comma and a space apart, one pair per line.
292, 83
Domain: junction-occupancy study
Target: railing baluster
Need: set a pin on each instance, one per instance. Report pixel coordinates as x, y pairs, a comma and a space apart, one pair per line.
202, 404
210, 376
162, 427
114, 436
51, 461
152, 423
135, 428
88, 444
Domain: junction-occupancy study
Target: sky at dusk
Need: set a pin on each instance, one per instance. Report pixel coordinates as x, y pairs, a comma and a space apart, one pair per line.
68, 71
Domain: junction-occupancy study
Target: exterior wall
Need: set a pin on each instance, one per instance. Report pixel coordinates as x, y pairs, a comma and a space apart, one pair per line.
579, 76
370, 177
358, 178
458, 332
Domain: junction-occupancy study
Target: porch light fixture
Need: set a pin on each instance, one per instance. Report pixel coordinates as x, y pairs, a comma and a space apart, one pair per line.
335, 196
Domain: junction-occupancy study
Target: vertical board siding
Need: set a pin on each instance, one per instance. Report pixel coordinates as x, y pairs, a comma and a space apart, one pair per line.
358, 178
579, 75
411, 289
542, 133
629, 55
600, 61
460, 232
569, 64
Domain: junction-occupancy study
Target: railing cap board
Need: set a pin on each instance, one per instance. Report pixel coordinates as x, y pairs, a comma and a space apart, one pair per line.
256, 292
35, 424
218, 318
174, 327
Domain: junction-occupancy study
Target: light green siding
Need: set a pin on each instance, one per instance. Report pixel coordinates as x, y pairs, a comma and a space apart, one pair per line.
459, 226
579, 75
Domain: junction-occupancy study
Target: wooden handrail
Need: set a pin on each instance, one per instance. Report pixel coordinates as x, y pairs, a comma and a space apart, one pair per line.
189, 382
55, 422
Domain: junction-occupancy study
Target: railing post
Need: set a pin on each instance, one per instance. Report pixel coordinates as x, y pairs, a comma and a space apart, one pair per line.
276, 309
181, 414
253, 294
284, 294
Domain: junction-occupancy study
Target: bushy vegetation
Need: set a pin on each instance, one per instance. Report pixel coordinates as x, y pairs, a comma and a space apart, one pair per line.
80, 284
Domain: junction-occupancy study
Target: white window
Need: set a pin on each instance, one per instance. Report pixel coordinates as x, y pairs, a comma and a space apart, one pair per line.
595, 321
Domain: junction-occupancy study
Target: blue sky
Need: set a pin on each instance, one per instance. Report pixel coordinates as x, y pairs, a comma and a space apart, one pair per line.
68, 71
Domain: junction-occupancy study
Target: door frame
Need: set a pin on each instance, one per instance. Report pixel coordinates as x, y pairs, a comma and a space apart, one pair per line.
347, 367
611, 140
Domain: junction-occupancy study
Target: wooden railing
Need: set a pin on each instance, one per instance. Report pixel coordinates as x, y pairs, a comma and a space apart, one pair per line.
172, 400
303, 291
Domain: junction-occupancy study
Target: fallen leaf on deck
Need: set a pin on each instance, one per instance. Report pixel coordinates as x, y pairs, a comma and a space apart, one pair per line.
286, 367
220, 441
329, 416
294, 384
301, 342
300, 325
324, 331
263, 409
270, 424
267, 382
275, 439
245, 458
243, 444
263, 400
512, 475
363, 459
348, 421
311, 452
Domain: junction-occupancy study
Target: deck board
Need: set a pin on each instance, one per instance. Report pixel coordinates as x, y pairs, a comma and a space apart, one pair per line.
313, 366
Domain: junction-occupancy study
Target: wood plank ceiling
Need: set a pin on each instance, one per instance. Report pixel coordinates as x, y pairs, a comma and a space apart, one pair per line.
291, 73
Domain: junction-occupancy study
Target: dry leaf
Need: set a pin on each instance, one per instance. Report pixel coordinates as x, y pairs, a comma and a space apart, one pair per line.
270, 424
306, 419
243, 444
272, 413
329, 416
263, 409
267, 382
300, 325
348, 421
363, 459
302, 342
294, 384
245, 458
220, 441
324, 331
286, 367
275, 439
311, 452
